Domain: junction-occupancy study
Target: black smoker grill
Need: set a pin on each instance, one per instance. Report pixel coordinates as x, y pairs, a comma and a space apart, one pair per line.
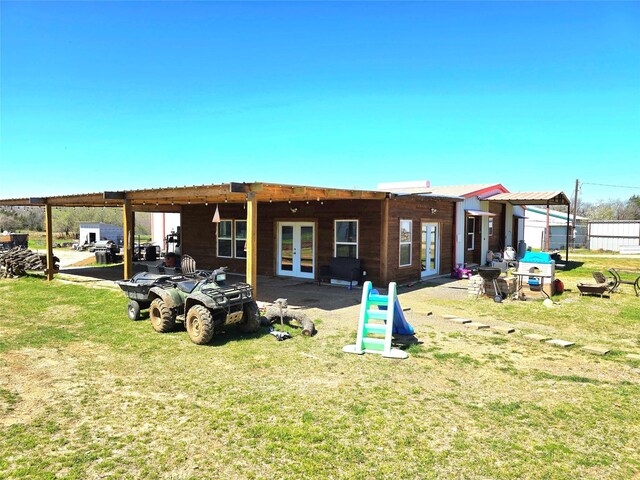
492, 273
106, 252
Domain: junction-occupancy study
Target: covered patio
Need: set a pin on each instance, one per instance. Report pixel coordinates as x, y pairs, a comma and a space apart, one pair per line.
174, 199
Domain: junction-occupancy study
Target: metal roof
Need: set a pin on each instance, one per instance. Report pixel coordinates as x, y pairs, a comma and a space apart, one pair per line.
531, 198
466, 190
479, 213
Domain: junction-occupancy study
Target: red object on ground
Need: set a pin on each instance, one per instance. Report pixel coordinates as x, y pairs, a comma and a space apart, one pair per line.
559, 286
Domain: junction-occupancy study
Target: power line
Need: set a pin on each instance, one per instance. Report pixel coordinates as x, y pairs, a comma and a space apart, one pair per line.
608, 185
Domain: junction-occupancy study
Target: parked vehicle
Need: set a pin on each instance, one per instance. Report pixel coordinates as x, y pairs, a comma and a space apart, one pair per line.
201, 301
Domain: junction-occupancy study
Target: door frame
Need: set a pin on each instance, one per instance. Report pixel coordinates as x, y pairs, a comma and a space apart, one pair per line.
278, 245
426, 273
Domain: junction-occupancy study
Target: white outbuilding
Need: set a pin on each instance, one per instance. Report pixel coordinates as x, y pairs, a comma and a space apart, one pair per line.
91, 232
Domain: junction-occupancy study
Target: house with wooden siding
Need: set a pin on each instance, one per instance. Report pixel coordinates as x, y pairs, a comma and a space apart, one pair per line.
291, 230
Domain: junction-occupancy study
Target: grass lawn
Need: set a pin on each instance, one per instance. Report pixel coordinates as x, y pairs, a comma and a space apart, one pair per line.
86, 393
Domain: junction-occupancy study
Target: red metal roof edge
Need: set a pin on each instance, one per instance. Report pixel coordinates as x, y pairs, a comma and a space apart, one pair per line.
476, 193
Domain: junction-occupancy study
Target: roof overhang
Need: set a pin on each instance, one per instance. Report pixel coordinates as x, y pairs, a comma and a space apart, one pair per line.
479, 213
170, 199
531, 198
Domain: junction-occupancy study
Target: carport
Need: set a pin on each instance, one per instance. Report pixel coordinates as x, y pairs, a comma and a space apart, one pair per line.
537, 198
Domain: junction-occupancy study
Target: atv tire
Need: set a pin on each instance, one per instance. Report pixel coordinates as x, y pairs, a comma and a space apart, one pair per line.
161, 317
133, 310
199, 323
251, 319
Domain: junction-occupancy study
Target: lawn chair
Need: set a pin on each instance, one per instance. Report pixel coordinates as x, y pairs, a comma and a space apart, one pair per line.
602, 280
602, 286
617, 281
188, 264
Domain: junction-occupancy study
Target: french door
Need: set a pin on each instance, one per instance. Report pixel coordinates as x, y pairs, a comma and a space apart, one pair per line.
430, 249
296, 249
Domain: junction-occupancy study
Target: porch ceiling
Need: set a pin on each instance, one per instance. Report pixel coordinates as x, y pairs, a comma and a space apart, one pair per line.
170, 199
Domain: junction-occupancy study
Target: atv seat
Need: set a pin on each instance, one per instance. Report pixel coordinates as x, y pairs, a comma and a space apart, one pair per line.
187, 286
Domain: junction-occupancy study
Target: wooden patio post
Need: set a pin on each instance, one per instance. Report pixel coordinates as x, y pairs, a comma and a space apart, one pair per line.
127, 224
252, 242
49, 242
384, 242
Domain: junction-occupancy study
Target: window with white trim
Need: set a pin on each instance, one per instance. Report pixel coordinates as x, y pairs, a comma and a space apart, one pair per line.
490, 226
406, 227
346, 238
225, 239
240, 241
471, 231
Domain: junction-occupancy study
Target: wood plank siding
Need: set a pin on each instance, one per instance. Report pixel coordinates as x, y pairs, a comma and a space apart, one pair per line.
418, 210
199, 234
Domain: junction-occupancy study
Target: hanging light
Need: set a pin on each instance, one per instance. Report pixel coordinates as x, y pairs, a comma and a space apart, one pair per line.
216, 215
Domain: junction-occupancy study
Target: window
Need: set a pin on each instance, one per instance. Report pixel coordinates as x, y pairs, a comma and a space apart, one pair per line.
225, 238
405, 242
346, 238
490, 226
232, 238
471, 231
241, 238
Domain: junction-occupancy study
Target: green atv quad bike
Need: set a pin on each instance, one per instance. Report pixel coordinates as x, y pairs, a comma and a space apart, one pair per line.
203, 302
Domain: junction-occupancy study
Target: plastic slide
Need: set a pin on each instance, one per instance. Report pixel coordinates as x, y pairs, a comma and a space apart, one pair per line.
400, 324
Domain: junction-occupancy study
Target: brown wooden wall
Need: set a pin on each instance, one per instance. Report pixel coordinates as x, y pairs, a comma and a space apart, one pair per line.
496, 241
418, 209
199, 233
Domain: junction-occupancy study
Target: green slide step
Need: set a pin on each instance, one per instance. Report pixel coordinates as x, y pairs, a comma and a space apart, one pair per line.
373, 343
377, 314
375, 328
378, 299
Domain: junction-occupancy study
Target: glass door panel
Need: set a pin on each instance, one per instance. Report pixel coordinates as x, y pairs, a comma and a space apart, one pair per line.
296, 249
306, 249
429, 249
286, 248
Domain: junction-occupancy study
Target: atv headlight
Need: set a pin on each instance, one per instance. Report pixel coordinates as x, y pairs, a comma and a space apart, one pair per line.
221, 277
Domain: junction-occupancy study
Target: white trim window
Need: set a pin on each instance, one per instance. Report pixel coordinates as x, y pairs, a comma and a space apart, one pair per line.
345, 238
225, 239
406, 235
490, 226
240, 239
471, 232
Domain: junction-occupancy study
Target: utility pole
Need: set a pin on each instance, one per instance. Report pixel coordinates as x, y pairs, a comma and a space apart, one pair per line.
575, 210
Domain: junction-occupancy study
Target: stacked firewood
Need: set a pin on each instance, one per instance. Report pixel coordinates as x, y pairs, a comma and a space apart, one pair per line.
16, 262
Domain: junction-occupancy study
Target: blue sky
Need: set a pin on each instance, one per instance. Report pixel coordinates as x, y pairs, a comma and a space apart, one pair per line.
119, 95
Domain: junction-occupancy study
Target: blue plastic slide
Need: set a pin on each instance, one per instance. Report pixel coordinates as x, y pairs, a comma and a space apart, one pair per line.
400, 324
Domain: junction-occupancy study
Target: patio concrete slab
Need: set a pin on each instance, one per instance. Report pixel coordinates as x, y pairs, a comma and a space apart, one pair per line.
595, 349
460, 321
504, 329
476, 325
536, 338
633, 356
449, 317
560, 343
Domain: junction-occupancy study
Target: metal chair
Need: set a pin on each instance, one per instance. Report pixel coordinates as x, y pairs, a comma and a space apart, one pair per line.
187, 264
